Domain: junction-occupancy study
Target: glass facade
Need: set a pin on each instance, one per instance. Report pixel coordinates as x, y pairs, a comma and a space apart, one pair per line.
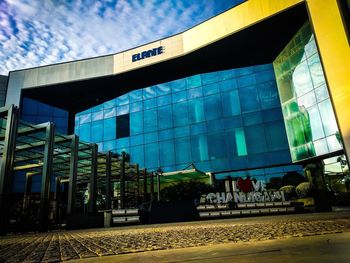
220, 121
308, 114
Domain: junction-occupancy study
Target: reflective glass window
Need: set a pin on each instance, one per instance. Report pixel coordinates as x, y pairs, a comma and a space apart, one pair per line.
248, 80
166, 134
268, 95
212, 107
209, 78
316, 70
227, 74
109, 129
151, 137
240, 142
137, 106
179, 96
194, 93
164, 100
150, 121
178, 85
136, 123
96, 131
183, 150
249, 99
227, 85
210, 89
230, 103
165, 119
217, 146
163, 89
328, 119
198, 128
98, 115
255, 138
194, 81
84, 132
150, 104
199, 148
109, 113
275, 136
122, 100
136, 140
109, 104
122, 110
196, 110
137, 155
149, 92
166, 153
181, 131
151, 155
180, 114
135, 95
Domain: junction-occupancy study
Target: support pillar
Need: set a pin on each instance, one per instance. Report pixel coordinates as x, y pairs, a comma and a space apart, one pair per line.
122, 182
145, 185
93, 180
152, 187
137, 185
57, 200
46, 177
73, 170
108, 179
6, 168
158, 186
26, 196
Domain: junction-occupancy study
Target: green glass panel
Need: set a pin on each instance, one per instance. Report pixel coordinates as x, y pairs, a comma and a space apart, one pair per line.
240, 142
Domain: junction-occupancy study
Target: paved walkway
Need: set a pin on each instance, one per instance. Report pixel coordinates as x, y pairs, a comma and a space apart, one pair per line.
68, 245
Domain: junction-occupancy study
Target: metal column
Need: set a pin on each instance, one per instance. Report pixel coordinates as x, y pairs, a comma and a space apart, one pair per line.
108, 179
73, 170
46, 177
6, 168
144, 185
57, 200
122, 182
27, 191
158, 186
152, 187
137, 185
93, 180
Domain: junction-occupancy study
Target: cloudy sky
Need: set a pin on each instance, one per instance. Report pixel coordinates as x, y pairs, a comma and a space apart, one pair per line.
41, 32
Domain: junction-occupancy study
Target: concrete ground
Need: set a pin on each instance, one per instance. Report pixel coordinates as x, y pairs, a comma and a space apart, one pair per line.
321, 248
302, 235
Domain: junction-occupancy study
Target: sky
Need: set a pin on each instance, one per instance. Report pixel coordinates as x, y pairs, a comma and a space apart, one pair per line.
42, 32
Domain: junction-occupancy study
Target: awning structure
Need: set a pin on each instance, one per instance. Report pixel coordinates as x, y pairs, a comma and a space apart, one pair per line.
184, 175
37, 150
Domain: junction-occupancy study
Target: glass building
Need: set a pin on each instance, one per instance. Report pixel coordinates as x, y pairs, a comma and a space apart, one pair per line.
220, 121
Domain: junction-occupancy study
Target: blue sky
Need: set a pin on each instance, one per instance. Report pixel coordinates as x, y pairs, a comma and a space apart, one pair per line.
41, 32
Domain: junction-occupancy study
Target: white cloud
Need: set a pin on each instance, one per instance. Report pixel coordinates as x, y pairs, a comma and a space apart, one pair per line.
37, 32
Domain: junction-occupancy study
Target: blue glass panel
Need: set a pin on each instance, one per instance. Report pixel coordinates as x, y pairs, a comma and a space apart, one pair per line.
137, 155
97, 131
240, 142
98, 115
60, 113
135, 95
122, 100
252, 118
29, 106
209, 78
198, 128
268, 95
268, 75
255, 139
183, 150
178, 85
96, 108
230, 103
121, 110
272, 115
227, 85
256, 160
180, 114
109, 113
136, 140
109, 104
244, 81
137, 106
109, 129
179, 96
233, 122
166, 134
164, 100
150, 120
210, 89
136, 123
194, 81
230, 143
149, 104
249, 99
151, 137
227, 74
263, 67
212, 106
215, 125
217, 146
199, 148
165, 120
151, 155
181, 131
84, 132
276, 138
166, 153
122, 143
244, 71
85, 118
196, 110
109, 145
219, 165
194, 93
203, 166
163, 89
149, 92
278, 157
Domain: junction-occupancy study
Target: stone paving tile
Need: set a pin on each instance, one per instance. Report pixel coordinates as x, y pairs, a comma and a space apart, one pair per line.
67, 245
